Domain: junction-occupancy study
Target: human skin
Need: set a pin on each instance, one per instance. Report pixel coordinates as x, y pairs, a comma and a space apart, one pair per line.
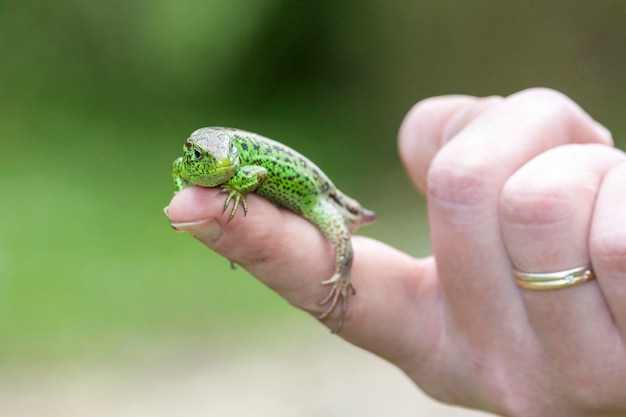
528, 181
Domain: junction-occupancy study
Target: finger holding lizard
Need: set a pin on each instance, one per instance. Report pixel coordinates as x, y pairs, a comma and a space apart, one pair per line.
290, 255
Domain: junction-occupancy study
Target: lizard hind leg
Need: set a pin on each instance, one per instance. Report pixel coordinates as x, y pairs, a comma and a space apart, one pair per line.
333, 226
341, 288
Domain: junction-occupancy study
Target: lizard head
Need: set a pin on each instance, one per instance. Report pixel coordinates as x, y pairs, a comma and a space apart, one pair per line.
210, 157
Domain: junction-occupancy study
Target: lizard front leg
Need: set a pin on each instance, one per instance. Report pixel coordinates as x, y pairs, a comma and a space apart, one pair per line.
246, 180
178, 175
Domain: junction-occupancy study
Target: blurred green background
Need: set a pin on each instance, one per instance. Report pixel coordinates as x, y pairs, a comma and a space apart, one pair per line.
96, 99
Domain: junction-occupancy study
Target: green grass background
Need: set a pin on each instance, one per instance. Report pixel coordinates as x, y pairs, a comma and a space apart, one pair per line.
96, 99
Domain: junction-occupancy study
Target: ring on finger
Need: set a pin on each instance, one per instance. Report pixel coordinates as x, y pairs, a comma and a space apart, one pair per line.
554, 280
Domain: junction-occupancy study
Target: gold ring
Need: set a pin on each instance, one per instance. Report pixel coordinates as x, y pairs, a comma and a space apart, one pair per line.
554, 280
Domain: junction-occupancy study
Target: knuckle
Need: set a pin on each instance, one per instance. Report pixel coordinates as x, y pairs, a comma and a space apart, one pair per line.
542, 91
545, 96
417, 124
545, 196
534, 205
549, 107
462, 187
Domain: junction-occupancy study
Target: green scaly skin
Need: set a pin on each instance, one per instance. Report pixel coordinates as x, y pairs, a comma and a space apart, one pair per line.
242, 162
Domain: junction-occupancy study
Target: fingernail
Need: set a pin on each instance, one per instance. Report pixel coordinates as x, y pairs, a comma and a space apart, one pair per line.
207, 231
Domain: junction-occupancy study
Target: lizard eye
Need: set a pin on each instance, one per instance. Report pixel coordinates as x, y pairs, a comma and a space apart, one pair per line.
197, 155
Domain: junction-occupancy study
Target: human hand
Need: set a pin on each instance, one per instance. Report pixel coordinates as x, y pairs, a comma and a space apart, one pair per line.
528, 181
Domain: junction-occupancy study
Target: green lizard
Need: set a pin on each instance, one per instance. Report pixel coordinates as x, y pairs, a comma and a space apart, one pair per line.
242, 162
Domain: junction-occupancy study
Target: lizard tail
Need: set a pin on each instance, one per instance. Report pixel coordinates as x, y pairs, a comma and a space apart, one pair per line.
367, 216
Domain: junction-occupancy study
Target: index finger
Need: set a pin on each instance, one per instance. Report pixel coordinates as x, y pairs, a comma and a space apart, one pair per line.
290, 255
